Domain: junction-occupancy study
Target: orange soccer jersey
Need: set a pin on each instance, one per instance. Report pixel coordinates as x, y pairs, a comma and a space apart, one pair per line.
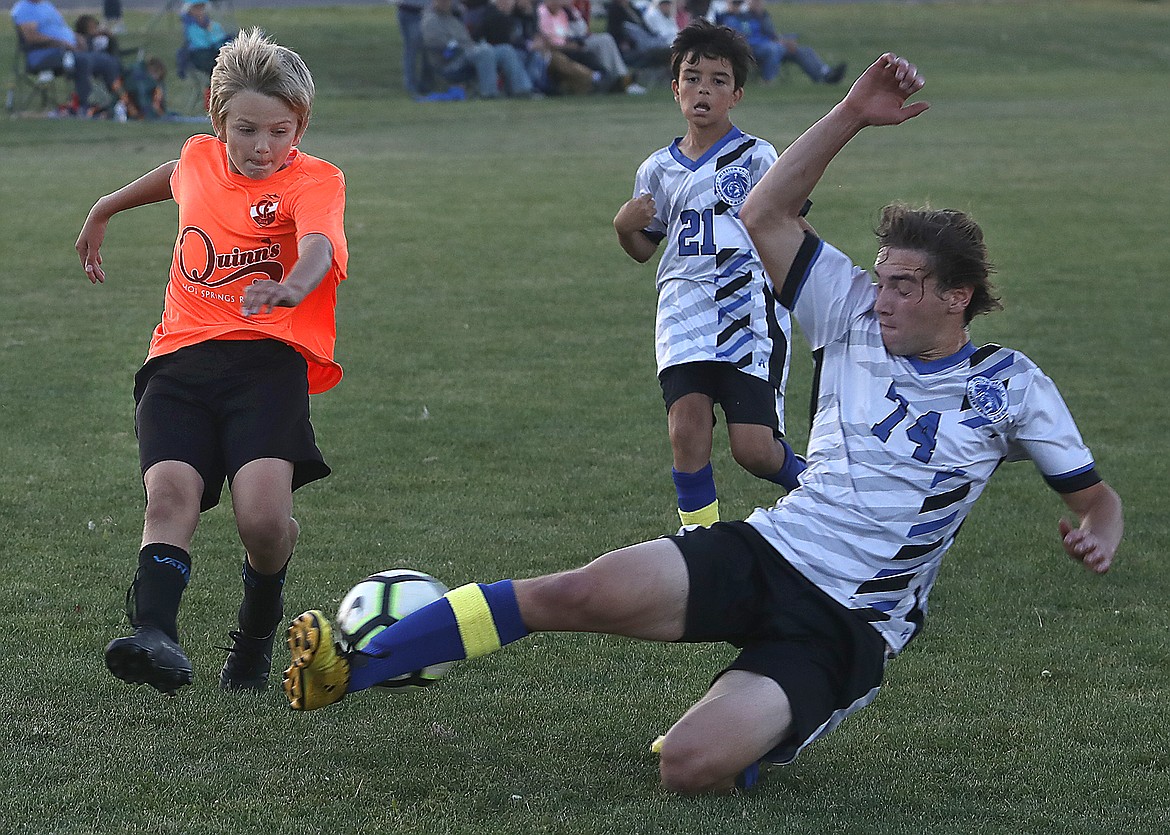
234, 231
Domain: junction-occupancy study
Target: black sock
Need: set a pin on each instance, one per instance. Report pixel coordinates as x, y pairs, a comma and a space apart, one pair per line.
163, 572
263, 604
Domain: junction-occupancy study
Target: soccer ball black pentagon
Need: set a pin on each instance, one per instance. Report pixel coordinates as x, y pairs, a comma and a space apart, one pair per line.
380, 600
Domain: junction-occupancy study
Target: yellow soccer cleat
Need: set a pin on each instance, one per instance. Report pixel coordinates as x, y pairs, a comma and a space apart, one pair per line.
319, 672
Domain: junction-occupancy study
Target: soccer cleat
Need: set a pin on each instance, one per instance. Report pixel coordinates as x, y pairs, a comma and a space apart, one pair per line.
319, 672
248, 663
835, 74
149, 656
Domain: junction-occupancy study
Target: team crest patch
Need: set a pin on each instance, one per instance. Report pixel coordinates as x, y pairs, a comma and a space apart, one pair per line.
988, 397
732, 184
263, 211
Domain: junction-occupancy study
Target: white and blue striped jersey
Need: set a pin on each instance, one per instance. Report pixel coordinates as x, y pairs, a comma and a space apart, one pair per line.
901, 448
715, 303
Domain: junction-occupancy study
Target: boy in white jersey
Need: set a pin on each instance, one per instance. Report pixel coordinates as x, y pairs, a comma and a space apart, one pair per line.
720, 337
821, 589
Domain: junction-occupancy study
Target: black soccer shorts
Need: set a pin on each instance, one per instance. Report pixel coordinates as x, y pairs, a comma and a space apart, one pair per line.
828, 660
743, 398
219, 404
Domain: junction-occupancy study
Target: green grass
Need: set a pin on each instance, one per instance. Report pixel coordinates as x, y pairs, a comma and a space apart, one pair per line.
500, 417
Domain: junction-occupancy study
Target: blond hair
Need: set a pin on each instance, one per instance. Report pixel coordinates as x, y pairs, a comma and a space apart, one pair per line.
253, 62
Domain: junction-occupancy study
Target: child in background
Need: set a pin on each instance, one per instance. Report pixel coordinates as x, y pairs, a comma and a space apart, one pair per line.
146, 92
247, 334
97, 37
721, 337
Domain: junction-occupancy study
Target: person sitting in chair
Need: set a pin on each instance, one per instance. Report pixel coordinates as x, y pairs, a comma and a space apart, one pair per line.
50, 44
202, 36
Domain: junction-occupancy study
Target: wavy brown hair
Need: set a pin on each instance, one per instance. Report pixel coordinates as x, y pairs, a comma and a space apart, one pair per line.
953, 244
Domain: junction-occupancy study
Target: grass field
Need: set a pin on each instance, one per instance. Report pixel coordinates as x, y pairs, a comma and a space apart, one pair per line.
500, 417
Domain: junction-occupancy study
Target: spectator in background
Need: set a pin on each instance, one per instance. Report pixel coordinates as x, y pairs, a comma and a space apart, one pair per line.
639, 44
97, 37
770, 49
112, 12
146, 92
449, 46
661, 19
692, 10
202, 36
51, 45
514, 22
471, 12
414, 75
567, 32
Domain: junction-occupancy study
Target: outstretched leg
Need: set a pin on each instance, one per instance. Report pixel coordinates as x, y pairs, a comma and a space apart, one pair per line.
639, 591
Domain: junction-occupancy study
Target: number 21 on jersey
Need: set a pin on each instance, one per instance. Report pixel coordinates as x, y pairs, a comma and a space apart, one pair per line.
697, 236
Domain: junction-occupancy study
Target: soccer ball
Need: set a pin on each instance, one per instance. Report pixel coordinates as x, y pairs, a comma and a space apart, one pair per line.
380, 600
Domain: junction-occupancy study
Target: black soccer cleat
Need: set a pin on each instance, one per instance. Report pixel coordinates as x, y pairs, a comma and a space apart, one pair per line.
149, 656
248, 663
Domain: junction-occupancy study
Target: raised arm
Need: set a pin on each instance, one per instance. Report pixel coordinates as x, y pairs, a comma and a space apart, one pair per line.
772, 210
152, 187
1094, 542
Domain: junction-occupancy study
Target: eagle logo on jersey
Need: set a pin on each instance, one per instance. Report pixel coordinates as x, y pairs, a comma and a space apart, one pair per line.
732, 184
263, 211
988, 398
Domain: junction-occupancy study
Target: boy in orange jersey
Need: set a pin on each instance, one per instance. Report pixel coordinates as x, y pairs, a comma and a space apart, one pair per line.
247, 334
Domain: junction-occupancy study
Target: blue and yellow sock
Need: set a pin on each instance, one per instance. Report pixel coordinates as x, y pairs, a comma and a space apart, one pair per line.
697, 502
466, 622
788, 476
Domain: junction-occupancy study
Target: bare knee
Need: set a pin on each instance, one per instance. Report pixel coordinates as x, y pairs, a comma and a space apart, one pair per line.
756, 462
267, 537
686, 768
171, 504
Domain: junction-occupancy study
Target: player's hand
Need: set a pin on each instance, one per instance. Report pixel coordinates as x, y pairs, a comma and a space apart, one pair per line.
1083, 546
89, 250
265, 295
879, 95
635, 214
